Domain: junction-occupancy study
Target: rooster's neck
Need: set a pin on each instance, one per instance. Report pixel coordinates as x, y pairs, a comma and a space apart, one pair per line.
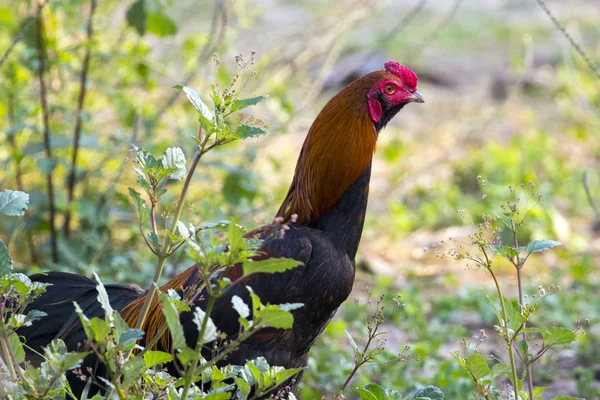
337, 152
344, 222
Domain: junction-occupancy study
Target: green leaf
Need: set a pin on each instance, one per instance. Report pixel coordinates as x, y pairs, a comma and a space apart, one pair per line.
174, 158
515, 319
153, 240
523, 347
505, 220
46, 165
286, 374
355, 348
13, 202
568, 398
379, 392
366, 395
130, 336
272, 316
160, 24
269, 266
242, 308
477, 366
100, 329
140, 205
104, 300
195, 99
429, 392
505, 251
210, 331
559, 336
132, 369
5, 260
541, 245
172, 317
136, 17
17, 347
247, 131
501, 369
152, 358
240, 104
235, 238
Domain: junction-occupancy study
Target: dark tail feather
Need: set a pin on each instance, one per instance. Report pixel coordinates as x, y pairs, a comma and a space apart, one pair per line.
61, 320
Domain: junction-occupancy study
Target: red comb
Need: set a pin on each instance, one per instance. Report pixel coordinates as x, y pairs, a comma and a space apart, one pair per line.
405, 74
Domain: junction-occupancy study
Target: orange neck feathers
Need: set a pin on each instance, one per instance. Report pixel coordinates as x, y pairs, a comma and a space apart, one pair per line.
338, 148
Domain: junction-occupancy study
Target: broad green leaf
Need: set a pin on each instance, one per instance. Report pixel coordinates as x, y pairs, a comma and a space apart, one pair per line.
174, 158
210, 331
559, 336
132, 369
286, 374
242, 385
477, 366
195, 99
32, 316
160, 24
247, 131
172, 317
17, 347
290, 306
366, 395
541, 245
100, 329
235, 238
523, 347
136, 17
242, 308
355, 348
240, 104
140, 205
13, 202
104, 301
130, 336
155, 357
153, 240
46, 165
5, 260
269, 266
379, 392
85, 322
146, 160
505, 220
273, 317
515, 319
501, 369
505, 251
217, 396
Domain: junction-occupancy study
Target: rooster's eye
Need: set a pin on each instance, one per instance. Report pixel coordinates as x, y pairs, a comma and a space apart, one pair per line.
389, 89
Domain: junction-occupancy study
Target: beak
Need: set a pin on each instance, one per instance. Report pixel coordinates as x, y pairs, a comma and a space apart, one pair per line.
416, 97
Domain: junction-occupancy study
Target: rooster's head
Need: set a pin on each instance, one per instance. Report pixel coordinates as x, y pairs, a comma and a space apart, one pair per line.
396, 88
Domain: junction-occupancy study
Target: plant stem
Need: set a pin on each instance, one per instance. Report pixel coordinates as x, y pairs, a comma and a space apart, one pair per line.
78, 119
18, 172
511, 355
5, 349
164, 253
593, 66
518, 265
46, 122
191, 371
23, 31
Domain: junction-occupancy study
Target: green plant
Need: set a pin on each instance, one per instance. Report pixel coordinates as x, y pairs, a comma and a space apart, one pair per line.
491, 240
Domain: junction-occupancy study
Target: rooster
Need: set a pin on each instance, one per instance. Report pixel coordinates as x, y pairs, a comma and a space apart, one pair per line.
324, 210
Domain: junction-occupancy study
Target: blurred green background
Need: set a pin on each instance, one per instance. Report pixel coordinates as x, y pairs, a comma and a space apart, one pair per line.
507, 98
